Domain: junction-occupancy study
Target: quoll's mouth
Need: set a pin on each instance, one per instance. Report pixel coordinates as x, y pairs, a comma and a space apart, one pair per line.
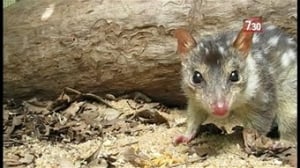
220, 112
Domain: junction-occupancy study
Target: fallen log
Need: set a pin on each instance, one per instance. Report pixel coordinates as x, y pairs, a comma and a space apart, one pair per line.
114, 46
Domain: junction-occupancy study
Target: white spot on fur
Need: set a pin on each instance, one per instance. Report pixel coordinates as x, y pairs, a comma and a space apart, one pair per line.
266, 50
287, 57
271, 27
201, 45
221, 50
271, 70
228, 42
273, 41
290, 41
206, 51
266, 97
48, 12
252, 83
258, 55
255, 38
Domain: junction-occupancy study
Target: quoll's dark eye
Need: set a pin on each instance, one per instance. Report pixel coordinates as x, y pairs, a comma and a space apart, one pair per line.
234, 76
197, 77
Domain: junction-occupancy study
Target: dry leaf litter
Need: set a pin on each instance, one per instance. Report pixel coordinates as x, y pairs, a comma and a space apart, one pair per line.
83, 130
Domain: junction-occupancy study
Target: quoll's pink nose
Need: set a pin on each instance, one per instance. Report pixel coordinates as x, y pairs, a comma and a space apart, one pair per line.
220, 108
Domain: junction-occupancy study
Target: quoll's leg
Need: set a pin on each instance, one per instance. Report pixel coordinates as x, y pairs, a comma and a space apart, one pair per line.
286, 114
287, 126
195, 118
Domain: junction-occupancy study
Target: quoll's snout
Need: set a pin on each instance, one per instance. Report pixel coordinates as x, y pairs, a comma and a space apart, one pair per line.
220, 108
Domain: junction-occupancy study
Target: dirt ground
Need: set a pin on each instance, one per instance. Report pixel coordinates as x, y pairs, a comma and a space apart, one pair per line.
87, 131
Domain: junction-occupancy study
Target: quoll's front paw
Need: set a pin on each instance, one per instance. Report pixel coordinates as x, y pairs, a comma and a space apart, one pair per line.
182, 139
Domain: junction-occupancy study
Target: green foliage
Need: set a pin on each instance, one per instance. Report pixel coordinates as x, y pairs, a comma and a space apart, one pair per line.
7, 3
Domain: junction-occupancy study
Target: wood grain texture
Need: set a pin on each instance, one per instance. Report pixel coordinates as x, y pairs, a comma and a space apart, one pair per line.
104, 46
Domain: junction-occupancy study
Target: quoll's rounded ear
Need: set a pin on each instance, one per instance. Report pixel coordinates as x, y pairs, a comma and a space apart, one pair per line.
243, 41
185, 41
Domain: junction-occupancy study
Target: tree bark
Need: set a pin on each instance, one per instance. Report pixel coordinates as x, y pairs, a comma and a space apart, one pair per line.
114, 46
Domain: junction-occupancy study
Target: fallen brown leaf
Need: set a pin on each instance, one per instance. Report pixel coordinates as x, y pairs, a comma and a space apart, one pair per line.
262, 146
111, 114
151, 116
28, 158
135, 157
203, 150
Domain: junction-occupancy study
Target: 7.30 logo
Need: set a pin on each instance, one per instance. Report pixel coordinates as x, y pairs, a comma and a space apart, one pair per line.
253, 24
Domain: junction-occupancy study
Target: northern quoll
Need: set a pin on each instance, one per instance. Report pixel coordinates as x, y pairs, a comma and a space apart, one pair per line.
252, 75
